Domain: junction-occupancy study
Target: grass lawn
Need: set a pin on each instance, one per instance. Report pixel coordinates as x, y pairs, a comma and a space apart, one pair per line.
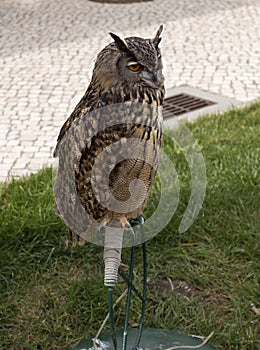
202, 280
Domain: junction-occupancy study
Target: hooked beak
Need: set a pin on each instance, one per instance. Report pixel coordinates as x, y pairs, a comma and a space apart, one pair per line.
150, 76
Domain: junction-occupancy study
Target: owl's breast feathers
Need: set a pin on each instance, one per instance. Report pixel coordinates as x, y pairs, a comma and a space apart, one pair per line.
139, 139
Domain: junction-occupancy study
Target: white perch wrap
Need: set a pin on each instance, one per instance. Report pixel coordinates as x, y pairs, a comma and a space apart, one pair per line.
112, 254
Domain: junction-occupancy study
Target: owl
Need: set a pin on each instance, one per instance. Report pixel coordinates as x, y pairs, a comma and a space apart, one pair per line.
109, 148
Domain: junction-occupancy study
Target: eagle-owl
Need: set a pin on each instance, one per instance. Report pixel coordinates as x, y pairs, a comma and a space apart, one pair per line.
109, 148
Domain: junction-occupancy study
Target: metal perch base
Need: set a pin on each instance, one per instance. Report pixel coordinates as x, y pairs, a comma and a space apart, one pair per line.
152, 339
138, 338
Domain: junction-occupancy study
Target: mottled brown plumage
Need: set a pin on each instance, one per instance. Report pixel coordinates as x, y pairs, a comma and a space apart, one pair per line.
114, 133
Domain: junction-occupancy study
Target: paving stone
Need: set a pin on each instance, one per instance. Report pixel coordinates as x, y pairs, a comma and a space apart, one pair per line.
17, 173
45, 70
3, 173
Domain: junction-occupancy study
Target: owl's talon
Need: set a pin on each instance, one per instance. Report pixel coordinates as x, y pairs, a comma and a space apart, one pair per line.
137, 221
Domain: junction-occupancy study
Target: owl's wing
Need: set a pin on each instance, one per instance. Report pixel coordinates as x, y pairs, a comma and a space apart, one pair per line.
76, 115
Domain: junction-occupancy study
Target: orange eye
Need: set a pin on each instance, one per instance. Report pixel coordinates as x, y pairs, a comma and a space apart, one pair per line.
134, 67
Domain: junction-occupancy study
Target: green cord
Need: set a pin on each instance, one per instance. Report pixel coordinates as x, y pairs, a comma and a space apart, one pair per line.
128, 300
111, 317
141, 321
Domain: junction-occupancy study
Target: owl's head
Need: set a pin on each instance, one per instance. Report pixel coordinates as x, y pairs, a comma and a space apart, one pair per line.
131, 60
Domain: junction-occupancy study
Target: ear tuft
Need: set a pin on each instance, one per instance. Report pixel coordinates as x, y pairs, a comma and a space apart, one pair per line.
121, 44
157, 39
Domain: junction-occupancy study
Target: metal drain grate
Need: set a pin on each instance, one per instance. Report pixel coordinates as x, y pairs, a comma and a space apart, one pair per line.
119, 1
183, 103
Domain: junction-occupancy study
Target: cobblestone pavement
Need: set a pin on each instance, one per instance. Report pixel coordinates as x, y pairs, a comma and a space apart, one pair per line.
48, 47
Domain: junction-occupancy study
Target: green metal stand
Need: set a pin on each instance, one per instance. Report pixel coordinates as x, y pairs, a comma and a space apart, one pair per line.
131, 288
138, 338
